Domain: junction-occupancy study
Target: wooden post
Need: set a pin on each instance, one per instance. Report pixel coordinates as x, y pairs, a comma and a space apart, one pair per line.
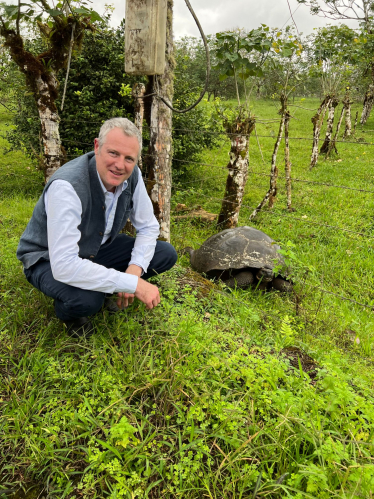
317, 121
272, 192
348, 123
330, 125
355, 125
238, 172
368, 104
287, 162
138, 91
332, 144
159, 117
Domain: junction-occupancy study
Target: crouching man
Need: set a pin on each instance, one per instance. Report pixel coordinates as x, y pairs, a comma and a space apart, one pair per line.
72, 249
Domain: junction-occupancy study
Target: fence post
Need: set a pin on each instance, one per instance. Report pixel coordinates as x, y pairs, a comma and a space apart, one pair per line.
138, 91
159, 117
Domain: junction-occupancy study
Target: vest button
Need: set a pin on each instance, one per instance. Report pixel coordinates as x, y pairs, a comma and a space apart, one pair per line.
92, 256
100, 233
103, 207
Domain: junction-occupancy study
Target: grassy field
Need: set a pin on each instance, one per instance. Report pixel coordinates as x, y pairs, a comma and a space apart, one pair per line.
212, 394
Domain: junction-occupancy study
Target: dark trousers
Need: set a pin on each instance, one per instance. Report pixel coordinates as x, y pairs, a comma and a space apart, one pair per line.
71, 302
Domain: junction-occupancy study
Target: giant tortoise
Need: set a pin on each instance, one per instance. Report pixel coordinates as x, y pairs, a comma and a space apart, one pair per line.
240, 257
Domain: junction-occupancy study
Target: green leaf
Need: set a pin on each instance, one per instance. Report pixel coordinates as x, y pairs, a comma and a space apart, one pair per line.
81, 11
109, 447
54, 12
10, 10
95, 16
287, 52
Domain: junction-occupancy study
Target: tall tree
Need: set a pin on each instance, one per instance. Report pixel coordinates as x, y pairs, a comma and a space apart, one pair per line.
62, 28
361, 11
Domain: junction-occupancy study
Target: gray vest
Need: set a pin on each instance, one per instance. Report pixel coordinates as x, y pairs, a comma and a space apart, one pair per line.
81, 173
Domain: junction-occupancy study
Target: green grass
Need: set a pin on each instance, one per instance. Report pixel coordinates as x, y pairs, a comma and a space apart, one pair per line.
212, 394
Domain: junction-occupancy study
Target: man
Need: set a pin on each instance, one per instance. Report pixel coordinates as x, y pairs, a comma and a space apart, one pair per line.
72, 249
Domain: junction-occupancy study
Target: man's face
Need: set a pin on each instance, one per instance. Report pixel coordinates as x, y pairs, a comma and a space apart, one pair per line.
117, 158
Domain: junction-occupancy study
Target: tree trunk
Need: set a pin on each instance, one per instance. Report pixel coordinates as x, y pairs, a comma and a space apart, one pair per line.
348, 120
272, 192
138, 91
368, 104
287, 161
330, 125
49, 121
356, 120
159, 116
44, 86
332, 144
238, 172
237, 88
317, 121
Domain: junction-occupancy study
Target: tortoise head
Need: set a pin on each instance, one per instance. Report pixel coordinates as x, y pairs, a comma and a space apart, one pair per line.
188, 250
265, 274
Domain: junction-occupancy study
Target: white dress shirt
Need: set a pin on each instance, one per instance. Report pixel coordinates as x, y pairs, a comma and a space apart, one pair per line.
64, 212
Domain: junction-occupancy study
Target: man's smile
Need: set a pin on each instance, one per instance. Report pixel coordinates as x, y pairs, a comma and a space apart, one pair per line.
117, 174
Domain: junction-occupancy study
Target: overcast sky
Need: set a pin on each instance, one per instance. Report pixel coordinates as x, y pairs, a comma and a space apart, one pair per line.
220, 15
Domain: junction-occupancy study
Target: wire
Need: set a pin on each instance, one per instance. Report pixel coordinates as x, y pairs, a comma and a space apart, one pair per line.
181, 111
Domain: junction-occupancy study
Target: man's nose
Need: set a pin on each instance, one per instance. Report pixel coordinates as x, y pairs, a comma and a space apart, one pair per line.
120, 163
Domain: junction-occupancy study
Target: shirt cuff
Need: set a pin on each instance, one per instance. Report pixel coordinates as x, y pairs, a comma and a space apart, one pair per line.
140, 263
127, 283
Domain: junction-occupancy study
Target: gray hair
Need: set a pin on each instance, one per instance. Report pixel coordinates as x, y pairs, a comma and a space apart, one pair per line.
128, 128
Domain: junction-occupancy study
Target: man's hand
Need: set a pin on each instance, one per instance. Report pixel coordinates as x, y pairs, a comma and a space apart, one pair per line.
124, 300
145, 292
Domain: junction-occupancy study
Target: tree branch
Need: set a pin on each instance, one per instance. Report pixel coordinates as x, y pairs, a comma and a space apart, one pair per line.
338, 10
289, 7
18, 16
71, 10
45, 4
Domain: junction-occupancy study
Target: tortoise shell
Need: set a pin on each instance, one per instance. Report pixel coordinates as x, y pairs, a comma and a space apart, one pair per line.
236, 249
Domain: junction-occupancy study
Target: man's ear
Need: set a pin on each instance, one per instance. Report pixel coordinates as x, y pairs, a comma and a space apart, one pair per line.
96, 146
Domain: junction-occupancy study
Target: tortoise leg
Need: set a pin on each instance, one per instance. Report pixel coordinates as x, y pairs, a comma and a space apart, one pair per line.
261, 286
282, 285
241, 280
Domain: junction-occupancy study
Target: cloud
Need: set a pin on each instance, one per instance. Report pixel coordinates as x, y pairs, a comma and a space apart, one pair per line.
219, 15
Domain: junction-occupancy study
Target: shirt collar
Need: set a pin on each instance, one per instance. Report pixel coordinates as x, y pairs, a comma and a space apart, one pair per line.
120, 187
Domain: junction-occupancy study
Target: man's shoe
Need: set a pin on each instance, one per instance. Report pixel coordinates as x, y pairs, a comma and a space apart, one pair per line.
79, 328
110, 305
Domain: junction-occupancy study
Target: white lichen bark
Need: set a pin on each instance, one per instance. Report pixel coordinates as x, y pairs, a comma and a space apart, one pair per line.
287, 162
332, 144
138, 91
368, 104
317, 121
330, 126
235, 183
49, 121
272, 192
348, 116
